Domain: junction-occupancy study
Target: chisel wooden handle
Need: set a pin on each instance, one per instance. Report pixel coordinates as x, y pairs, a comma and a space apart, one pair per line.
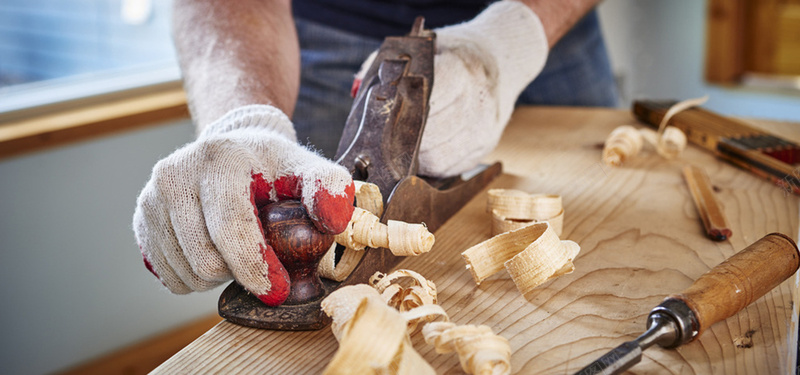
743, 278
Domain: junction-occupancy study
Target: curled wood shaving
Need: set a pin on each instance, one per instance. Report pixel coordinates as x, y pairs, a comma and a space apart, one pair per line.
375, 341
479, 349
415, 292
338, 271
368, 197
342, 303
670, 144
364, 229
514, 209
407, 239
623, 143
531, 255
679, 107
356, 316
401, 238
626, 141
424, 314
410, 293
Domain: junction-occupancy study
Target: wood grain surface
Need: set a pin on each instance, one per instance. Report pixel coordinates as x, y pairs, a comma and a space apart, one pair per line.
641, 240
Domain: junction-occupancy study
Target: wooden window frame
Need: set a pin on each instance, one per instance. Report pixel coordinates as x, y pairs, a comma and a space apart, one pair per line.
41, 127
738, 55
725, 28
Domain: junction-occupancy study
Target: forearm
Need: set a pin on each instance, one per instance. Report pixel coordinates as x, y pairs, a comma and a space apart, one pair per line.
558, 16
234, 53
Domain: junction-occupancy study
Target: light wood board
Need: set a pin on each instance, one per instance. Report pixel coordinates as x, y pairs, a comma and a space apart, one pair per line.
641, 240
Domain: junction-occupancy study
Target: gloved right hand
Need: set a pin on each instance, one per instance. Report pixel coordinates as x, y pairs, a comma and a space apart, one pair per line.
480, 68
196, 220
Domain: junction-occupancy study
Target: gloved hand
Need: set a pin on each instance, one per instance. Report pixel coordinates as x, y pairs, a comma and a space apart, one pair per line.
196, 220
480, 68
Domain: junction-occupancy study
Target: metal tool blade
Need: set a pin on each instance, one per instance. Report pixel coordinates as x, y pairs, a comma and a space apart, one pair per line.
662, 330
380, 141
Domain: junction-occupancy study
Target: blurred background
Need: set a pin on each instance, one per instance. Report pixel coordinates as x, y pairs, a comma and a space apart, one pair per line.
73, 284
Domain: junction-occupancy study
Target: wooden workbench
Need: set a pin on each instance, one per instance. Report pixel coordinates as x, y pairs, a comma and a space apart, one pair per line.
640, 239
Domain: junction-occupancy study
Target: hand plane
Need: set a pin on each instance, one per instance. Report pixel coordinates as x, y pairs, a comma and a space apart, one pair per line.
380, 145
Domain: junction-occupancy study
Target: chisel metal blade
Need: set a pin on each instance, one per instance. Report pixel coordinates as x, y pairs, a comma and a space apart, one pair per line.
662, 330
616, 361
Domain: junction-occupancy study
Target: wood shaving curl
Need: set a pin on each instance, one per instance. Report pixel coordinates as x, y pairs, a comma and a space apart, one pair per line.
417, 290
401, 238
531, 255
342, 303
670, 143
365, 230
409, 292
361, 353
478, 348
514, 209
357, 321
368, 196
625, 141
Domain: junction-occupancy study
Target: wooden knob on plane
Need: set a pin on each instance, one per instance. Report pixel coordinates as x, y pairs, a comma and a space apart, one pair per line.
298, 245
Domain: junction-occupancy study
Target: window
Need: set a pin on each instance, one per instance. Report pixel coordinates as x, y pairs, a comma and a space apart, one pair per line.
55, 51
756, 41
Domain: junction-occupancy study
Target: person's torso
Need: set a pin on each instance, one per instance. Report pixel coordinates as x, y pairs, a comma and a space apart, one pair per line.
381, 18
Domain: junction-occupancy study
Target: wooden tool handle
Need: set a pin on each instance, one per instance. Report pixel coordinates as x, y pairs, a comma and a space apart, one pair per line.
743, 278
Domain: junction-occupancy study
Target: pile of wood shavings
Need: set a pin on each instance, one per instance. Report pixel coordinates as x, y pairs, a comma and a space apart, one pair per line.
365, 230
404, 298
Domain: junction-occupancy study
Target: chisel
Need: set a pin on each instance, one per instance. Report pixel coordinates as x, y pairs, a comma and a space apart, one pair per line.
718, 294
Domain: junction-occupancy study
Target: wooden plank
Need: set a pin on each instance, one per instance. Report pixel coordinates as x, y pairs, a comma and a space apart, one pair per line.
86, 122
143, 357
641, 240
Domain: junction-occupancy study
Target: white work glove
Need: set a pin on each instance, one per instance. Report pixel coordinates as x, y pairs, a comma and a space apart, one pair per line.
196, 220
480, 68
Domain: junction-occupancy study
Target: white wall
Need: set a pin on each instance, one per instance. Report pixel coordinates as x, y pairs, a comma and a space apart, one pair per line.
73, 282
657, 47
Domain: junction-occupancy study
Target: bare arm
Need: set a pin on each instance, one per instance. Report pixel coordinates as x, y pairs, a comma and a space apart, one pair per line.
234, 53
558, 16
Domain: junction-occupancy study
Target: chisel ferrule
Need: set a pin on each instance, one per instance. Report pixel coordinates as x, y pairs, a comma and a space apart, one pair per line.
683, 317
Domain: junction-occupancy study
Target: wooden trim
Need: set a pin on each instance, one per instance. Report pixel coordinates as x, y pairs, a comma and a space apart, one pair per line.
761, 42
143, 357
725, 25
77, 124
